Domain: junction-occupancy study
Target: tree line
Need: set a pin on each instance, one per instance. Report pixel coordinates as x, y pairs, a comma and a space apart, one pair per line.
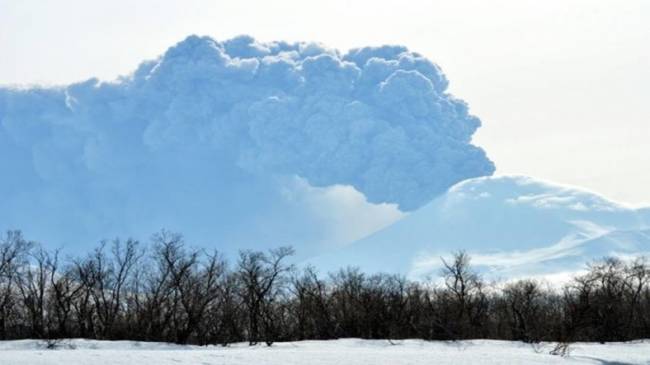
167, 291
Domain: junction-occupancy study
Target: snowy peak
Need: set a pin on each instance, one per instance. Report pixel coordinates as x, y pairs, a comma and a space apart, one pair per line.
511, 225
525, 190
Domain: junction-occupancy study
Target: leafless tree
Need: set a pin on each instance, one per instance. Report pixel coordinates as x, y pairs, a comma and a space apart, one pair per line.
196, 284
64, 288
105, 276
524, 305
312, 308
263, 277
33, 280
13, 251
169, 292
464, 296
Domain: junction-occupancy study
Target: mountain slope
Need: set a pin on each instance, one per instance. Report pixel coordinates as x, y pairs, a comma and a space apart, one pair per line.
512, 225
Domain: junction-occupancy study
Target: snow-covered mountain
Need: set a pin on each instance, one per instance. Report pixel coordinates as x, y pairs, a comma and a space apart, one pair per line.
511, 225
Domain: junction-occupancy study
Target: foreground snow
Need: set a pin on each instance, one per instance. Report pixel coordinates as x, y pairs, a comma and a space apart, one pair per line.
339, 352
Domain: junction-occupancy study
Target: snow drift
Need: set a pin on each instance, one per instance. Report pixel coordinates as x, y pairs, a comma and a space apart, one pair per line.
343, 352
212, 133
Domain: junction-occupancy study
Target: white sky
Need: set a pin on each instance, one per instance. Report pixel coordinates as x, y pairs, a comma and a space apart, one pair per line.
561, 86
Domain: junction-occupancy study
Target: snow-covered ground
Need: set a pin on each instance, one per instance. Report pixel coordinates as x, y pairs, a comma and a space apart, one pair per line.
339, 352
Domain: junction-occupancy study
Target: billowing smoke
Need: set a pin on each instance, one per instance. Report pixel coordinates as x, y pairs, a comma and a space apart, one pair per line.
209, 126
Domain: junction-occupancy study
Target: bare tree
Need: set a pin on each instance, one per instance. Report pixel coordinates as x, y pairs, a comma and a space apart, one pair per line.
64, 288
169, 292
13, 251
32, 285
263, 277
196, 284
224, 324
105, 276
464, 296
524, 306
637, 282
312, 309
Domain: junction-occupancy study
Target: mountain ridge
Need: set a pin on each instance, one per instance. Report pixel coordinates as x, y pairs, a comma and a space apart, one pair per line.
511, 224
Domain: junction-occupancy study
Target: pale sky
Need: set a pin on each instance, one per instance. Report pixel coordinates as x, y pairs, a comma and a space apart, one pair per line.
561, 86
